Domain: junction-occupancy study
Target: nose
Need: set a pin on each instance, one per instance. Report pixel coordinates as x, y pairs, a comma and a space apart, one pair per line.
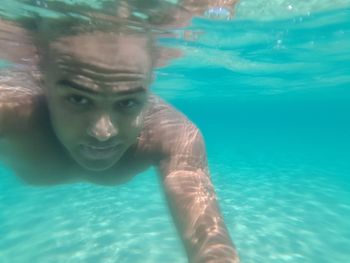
103, 129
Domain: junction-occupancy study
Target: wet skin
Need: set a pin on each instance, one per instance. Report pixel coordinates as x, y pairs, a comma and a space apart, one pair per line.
95, 120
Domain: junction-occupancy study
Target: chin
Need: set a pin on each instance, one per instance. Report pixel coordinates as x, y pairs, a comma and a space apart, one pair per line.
97, 166
97, 163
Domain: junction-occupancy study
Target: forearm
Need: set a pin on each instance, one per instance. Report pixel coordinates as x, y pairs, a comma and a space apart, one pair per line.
210, 242
194, 207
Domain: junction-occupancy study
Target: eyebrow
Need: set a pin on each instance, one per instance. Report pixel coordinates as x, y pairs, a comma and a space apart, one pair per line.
79, 87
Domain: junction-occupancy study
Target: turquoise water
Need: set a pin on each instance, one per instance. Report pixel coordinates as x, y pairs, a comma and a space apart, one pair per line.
271, 95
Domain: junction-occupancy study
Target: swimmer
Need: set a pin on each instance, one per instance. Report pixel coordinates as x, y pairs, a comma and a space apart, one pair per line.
79, 109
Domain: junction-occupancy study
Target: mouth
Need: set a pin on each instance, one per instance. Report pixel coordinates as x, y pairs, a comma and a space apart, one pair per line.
99, 152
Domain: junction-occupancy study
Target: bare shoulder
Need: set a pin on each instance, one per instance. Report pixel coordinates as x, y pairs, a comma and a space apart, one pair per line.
169, 131
18, 99
18, 83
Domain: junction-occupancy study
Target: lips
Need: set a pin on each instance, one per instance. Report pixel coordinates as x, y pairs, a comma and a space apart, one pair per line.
99, 152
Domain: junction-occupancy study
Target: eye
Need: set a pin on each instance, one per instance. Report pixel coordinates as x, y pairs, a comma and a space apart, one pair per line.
127, 104
78, 100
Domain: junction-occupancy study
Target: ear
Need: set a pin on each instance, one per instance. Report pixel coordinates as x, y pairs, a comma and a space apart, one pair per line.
16, 45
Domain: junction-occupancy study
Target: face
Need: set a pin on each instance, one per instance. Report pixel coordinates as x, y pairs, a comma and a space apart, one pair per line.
97, 88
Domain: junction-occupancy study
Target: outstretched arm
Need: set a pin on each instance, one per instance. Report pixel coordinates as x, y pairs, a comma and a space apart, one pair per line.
193, 202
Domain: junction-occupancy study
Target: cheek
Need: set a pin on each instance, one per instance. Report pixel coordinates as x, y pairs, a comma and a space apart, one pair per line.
65, 128
137, 122
132, 127
66, 125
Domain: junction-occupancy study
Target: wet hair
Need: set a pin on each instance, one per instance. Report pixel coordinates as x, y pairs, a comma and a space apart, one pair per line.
45, 30
36, 34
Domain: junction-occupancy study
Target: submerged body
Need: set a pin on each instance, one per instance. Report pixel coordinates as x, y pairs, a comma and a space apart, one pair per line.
88, 116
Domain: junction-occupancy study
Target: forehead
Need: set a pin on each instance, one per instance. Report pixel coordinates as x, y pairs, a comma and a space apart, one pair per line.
100, 61
110, 51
